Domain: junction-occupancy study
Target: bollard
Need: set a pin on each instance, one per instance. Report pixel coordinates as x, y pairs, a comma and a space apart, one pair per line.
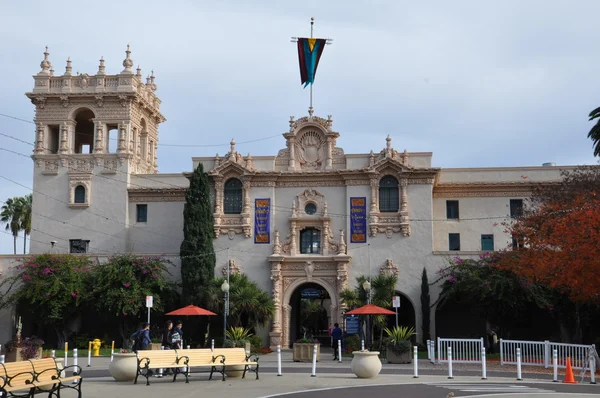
314, 365
112, 350
362, 345
432, 351
75, 365
160, 371
212, 345
53, 353
339, 348
519, 364
278, 360
428, 349
555, 364
66, 353
89, 354
483, 365
592, 369
416, 362
188, 347
450, 363
2, 359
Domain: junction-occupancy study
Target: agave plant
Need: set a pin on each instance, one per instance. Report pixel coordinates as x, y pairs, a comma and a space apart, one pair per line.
237, 337
398, 338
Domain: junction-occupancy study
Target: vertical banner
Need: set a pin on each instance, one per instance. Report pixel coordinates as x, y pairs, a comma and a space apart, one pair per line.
358, 220
262, 220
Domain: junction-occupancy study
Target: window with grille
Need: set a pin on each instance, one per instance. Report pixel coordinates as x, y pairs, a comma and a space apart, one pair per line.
232, 197
453, 242
516, 207
452, 209
310, 241
487, 242
78, 245
388, 195
142, 213
80, 194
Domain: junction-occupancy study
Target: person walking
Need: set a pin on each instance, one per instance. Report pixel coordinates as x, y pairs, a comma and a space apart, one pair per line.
141, 338
336, 335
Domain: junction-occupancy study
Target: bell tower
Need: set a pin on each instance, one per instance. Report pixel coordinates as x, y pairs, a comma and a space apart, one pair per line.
92, 132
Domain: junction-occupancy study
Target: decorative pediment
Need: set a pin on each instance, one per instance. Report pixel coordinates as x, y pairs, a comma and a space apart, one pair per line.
311, 197
232, 158
389, 269
228, 168
390, 164
389, 154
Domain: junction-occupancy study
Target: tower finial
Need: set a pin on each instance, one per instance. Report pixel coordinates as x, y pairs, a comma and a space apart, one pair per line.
139, 73
153, 85
101, 70
232, 145
128, 62
45, 64
68, 69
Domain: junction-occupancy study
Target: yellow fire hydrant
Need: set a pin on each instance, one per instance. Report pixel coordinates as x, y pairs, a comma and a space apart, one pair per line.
96, 347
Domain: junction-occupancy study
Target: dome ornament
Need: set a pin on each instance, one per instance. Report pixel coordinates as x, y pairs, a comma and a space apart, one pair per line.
101, 67
45, 64
128, 62
68, 68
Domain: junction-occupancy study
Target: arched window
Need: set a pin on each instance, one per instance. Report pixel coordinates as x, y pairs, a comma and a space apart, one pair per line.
388, 195
80, 194
310, 241
232, 196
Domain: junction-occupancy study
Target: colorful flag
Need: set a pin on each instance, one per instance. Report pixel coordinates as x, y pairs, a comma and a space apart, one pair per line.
309, 53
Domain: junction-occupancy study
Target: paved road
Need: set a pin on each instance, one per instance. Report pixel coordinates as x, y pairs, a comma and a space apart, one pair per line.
442, 389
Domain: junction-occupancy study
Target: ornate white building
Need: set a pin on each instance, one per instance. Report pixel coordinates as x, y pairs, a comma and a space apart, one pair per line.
311, 215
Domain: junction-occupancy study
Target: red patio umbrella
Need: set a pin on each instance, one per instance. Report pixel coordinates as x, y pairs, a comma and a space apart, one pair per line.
370, 309
191, 310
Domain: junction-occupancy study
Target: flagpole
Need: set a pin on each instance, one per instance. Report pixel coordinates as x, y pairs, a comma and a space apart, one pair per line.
310, 107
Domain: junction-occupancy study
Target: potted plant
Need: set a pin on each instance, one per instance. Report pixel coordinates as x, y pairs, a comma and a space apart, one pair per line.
237, 337
398, 344
123, 366
28, 348
304, 348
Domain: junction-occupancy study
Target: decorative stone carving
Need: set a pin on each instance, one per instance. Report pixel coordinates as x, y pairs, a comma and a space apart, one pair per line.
234, 269
309, 268
276, 244
389, 269
86, 182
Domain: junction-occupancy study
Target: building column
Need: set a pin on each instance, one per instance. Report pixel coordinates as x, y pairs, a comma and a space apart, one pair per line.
218, 205
64, 138
287, 315
40, 148
374, 182
122, 134
292, 162
329, 163
275, 334
403, 195
98, 137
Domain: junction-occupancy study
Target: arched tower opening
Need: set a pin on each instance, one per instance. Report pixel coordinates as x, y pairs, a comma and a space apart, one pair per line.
84, 131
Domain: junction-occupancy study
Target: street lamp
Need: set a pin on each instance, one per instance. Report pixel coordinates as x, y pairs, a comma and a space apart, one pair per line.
225, 289
367, 287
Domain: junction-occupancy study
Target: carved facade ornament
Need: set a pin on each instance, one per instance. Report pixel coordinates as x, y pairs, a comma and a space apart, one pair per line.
234, 269
389, 269
84, 180
64, 100
99, 100
309, 268
84, 80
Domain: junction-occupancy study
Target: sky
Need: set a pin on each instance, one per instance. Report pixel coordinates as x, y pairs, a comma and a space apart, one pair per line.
479, 84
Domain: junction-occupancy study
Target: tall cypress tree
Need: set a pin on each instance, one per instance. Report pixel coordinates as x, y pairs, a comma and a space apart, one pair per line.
425, 299
197, 251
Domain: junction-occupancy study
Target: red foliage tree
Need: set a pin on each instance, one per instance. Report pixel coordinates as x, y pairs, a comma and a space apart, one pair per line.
560, 229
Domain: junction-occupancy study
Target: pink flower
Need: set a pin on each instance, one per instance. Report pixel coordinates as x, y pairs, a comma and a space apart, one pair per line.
127, 284
47, 271
73, 294
26, 277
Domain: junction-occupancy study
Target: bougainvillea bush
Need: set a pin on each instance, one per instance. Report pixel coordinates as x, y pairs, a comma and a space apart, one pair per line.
52, 287
122, 283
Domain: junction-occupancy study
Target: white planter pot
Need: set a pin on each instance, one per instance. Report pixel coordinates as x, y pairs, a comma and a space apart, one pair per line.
366, 364
234, 371
123, 367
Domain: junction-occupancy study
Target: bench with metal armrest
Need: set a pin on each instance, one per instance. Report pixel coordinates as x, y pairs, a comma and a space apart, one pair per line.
238, 357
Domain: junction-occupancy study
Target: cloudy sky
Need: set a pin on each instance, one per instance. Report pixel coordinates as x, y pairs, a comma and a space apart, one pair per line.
480, 84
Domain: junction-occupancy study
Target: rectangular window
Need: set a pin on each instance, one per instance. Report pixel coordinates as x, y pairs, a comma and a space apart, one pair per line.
78, 245
54, 132
142, 213
453, 242
487, 242
516, 208
518, 242
310, 241
452, 209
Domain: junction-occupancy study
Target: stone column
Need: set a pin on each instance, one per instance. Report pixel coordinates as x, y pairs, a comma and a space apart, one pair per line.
329, 164
275, 334
287, 314
154, 155
292, 162
293, 235
40, 148
122, 134
374, 181
99, 137
246, 187
403, 195
64, 138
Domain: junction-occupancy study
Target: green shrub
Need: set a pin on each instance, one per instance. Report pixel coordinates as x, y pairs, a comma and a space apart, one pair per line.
256, 343
353, 343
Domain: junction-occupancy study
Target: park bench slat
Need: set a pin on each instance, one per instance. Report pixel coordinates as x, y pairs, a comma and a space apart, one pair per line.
237, 357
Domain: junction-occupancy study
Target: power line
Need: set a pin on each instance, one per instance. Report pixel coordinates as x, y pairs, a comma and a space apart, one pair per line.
167, 145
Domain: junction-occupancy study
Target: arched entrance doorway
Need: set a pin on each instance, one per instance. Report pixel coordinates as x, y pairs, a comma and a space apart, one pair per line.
406, 314
310, 312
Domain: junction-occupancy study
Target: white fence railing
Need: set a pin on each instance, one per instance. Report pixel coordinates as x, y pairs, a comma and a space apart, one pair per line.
463, 350
539, 353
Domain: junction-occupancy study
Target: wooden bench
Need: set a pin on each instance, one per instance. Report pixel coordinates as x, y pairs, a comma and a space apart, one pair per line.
154, 359
46, 372
201, 358
238, 357
16, 376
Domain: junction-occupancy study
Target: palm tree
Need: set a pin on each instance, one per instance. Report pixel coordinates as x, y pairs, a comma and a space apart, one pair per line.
594, 133
249, 305
383, 287
25, 212
10, 215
